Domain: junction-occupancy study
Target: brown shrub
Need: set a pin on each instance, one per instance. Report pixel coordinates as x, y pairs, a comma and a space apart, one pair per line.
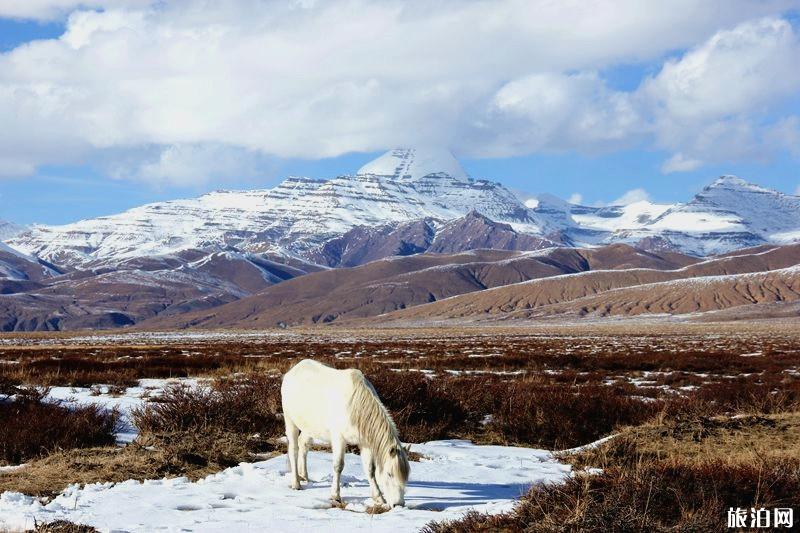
31, 427
528, 412
9, 386
747, 395
63, 526
243, 405
647, 497
563, 416
423, 409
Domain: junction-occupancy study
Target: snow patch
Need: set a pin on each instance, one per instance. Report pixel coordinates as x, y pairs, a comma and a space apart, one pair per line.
454, 477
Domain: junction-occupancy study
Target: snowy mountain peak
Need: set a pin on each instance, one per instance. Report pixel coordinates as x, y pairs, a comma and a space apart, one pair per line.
734, 182
9, 230
411, 164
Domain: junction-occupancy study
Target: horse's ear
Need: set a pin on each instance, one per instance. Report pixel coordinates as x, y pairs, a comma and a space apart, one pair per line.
407, 448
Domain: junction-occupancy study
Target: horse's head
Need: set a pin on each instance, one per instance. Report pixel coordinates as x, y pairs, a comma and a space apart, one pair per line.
393, 475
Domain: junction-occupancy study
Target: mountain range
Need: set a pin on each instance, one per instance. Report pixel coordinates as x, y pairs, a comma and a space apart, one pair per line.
398, 236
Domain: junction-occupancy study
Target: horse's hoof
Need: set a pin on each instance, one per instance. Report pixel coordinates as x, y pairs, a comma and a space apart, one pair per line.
295, 486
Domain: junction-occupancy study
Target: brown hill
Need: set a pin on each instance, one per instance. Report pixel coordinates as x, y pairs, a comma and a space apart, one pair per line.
473, 231
714, 284
121, 293
693, 295
402, 282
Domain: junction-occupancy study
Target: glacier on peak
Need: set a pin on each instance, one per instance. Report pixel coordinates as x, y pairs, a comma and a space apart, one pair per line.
414, 163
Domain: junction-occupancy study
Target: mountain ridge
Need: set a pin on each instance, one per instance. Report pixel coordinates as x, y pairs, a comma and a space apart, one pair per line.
214, 258
308, 218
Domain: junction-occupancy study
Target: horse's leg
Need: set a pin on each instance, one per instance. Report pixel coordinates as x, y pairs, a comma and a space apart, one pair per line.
369, 469
292, 433
337, 448
302, 457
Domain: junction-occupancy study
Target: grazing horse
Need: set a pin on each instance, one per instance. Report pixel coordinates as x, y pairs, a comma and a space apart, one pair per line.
342, 407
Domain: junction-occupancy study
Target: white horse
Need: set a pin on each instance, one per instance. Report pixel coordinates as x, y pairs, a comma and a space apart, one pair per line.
342, 407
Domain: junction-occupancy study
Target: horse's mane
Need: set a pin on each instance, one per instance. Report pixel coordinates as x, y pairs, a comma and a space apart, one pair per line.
374, 423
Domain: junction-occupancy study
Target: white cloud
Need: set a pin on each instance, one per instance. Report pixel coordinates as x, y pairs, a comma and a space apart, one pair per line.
550, 111
631, 197
13, 167
709, 105
575, 198
786, 134
188, 164
317, 79
797, 191
680, 163
734, 72
51, 9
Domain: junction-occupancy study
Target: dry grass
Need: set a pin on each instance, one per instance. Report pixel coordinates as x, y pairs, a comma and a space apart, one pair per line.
578, 357
185, 432
667, 475
562, 416
191, 455
648, 497
734, 439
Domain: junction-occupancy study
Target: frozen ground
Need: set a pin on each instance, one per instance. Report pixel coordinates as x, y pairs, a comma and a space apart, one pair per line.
454, 477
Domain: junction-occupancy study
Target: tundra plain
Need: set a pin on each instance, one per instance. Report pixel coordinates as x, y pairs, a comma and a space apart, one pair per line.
702, 416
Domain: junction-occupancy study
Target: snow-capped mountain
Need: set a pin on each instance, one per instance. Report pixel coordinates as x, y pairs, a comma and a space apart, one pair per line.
191, 256
398, 203
727, 215
294, 217
9, 230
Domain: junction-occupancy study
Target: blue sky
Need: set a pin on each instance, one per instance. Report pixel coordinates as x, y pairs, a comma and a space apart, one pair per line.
103, 114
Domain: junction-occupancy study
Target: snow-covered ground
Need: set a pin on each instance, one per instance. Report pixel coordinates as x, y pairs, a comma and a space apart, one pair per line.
453, 478
132, 397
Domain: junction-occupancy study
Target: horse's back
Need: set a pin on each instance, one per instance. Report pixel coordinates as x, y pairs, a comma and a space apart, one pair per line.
315, 397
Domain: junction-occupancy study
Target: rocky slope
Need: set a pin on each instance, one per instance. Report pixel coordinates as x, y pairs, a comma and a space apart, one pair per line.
473, 231
9, 230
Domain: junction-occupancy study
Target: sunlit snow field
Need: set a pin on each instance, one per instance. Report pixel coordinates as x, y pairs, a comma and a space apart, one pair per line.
452, 478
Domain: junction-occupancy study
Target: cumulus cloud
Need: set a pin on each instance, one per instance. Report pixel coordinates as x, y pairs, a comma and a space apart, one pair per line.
575, 198
680, 163
551, 111
709, 105
198, 79
187, 164
632, 196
